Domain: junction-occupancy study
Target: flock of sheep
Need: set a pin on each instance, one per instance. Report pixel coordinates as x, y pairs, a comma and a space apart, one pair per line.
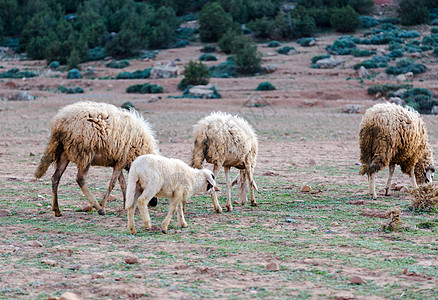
100, 134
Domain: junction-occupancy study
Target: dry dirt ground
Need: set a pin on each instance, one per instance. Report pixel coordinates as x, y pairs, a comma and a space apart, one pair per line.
304, 139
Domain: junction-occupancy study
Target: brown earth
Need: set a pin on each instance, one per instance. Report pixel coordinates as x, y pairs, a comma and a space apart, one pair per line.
302, 127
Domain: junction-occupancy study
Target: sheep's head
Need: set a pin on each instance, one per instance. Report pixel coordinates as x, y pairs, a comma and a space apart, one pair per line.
210, 181
424, 169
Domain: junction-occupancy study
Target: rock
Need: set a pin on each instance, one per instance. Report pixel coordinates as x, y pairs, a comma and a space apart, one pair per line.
335, 223
312, 43
329, 63
356, 280
290, 220
190, 24
49, 262
399, 92
111, 198
363, 72
396, 100
97, 275
434, 110
272, 267
202, 91
306, 189
138, 276
131, 259
312, 162
21, 96
409, 75
35, 244
270, 68
4, 213
74, 267
353, 109
69, 296
380, 52
87, 207
415, 55
400, 78
164, 71
270, 173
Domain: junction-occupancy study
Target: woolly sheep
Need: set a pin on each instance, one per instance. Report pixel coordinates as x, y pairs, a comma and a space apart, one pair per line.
95, 134
157, 176
392, 135
227, 141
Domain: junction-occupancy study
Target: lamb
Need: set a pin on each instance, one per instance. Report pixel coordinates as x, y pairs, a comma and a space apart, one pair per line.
392, 135
95, 134
227, 141
157, 176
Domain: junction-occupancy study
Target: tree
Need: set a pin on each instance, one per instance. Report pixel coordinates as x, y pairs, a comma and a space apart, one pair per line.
73, 60
213, 22
345, 19
413, 12
248, 59
195, 73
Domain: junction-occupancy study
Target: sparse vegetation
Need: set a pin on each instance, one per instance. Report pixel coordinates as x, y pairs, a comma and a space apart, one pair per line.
265, 86
146, 88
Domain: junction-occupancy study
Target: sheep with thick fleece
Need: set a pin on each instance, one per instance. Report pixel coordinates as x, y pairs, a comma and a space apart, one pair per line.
227, 141
392, 135
95, 134
158, 176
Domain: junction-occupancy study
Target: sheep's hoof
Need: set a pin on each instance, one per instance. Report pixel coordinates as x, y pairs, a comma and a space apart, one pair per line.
58, 214
229, 208
387, 193
133, 231
219, 210
101, 212
254, 204
153, 202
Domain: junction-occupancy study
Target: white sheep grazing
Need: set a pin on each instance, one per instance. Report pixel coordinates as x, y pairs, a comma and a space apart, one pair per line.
158, 176
392, 135
227, 141
95, 134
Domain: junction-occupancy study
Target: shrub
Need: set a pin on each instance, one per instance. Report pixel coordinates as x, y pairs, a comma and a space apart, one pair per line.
384, 89
274, 44
147, 88
396, 53
118, 65
376, 62
286, 50
305, 42
128, 105
262, 27
319, 57
54, 65
180, 44
124, 75
73, 74
408, 34
265, 86
434, 30
97, 53
421, 99
344, 19
76, 90
248, 59
225, 43
369, 22
405, 66
15, 73
342, 46
412, 12
361, 53
213, 21
194, 74
305, 27
207, 57
224, 70
209, 49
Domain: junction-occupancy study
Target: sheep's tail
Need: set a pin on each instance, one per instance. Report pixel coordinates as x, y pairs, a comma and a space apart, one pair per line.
130, 189
48, 157
198, 155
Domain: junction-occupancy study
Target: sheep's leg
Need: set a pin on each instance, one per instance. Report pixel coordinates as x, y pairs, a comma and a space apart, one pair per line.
122, 183
112, 184
413, 179
251, 188
143, 202
131, 213
80, 179
180, 214
372, 179
175, 201
388, 183
229, 206
243, 187
61, 165
213, 194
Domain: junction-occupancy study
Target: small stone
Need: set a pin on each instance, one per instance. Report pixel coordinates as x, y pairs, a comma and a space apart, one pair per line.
131, 259
409, 75
4, 213
97, 275
52, 298
111, 198
306, 188
86, 208
69, 296
36, 244
75, 267
400, 78
290, 221
270, 173
312, 162
138, 276
335, 223
272, 267
39, 205
49, 262
356, 280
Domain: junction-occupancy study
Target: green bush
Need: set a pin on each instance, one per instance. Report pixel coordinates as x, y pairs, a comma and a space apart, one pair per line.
227, 69
207, 57
286, 50
405, 66
139, 74
195, 73
434, 30
76, 90
261, 27
421, 99
225, 43
118, 65
54, 65
96, 53
213, 22
319, 57
209, 49
362, 53
274, 44
342, 46
396, 53
74, 74
248, 59
368, 21
147, 88
413, 12
375, 62
305, 42
265, 86
128, 105
15, 73
384, 89
344, 19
